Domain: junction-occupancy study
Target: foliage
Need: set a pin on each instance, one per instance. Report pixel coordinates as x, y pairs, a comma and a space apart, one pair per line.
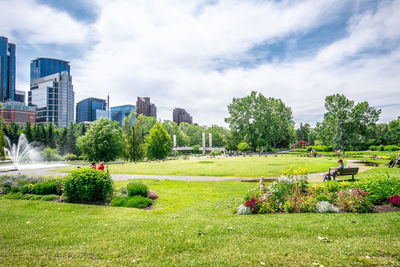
346, 124
47, 187
243, 146
22, 182
326, 207
196, 149
320, 148
134, 133
137, 189
71, 157
137, 201
159, 144
395, 200
50, 154
243, 210
50, 197
353, 200
87, 185
102, 142
261, 121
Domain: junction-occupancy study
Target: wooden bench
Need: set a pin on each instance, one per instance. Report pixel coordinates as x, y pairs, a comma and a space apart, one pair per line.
345, 172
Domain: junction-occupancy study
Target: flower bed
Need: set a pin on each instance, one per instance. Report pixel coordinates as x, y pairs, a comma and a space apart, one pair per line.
292, 193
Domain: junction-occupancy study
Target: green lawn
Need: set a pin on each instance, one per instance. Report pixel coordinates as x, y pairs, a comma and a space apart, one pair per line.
381, 171
192, 224
270, 166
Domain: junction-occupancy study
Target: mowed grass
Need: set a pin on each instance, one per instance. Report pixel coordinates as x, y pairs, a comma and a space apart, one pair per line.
270, 166
192, 223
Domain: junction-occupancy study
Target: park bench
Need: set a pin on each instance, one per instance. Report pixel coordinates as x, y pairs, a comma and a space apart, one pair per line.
346, 172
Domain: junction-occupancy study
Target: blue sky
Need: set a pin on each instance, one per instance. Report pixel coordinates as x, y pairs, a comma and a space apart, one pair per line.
200, 54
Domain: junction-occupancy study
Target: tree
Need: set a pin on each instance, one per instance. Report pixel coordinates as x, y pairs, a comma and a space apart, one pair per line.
3, 142
159, 143
302, 132
345, 124
219, 136
392, 135
102, 142
261, 121
11, 131
134, 137
62, 141
192, 134
71, 140
243, 146
51, 136
28, 132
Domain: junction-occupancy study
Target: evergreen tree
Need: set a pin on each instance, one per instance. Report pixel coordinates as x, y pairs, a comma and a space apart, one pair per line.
51, 136
71, 140
62, 141
28, 132
44, 136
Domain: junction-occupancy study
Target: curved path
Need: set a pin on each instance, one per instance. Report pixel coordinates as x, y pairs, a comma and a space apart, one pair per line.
313, 177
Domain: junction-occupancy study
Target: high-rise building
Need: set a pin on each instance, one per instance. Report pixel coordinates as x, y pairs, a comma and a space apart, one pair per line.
42, 67
91, 109
145, 107
120, 112
20, 96
17, 112
7, 70
180, 115
53, 97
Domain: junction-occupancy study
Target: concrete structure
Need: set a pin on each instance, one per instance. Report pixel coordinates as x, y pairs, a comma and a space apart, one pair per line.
53, 97
42, 67
145, 107
7, 70
180, 115
91, 109
17, 112
20, 96
119, 113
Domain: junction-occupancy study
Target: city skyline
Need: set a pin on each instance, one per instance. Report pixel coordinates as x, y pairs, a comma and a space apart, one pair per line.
210, 52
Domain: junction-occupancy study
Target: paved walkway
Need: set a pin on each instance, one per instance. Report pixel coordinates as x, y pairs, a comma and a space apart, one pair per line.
313, 177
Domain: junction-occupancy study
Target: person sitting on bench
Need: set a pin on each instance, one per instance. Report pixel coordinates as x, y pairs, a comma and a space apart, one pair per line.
336, 171
394, 162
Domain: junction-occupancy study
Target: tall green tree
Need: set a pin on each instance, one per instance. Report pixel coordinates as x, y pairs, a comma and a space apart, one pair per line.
102, 142
62, 141
159, 143
28, 132
303, 131
134, 137
51, 136
71, 140
345, 124
392, 135
261, 121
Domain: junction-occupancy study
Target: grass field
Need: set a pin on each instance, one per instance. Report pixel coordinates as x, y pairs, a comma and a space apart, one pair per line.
192, 224
255, 166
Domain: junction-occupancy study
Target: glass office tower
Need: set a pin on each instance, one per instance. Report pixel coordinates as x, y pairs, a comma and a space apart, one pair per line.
7, 70
42, 67
88, 109
120, 112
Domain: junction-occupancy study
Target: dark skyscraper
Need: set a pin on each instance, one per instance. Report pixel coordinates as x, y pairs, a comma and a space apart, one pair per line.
145, 107
7, 70
42, 67
180, 115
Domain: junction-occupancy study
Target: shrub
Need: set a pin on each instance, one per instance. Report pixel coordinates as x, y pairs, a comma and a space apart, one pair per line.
27, 196
36, 197
196, 149
137, 201
50, 154
16, 195
354, 200
71, 157
395, 200
326, 207
27, 189
243, 210
137, 189
391, 148
50, 197
266, 207
46, 187
321, 148
380, 188
15, 189
88, 185
252, 204
309, 205
152, 195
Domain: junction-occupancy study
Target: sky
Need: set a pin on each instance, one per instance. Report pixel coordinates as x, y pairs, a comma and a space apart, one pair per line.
200, 54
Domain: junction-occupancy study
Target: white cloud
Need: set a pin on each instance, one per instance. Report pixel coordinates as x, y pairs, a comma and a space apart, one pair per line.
166, 50
36, 24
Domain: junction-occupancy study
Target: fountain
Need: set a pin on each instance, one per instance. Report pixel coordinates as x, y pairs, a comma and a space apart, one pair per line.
20, 152
25, 157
